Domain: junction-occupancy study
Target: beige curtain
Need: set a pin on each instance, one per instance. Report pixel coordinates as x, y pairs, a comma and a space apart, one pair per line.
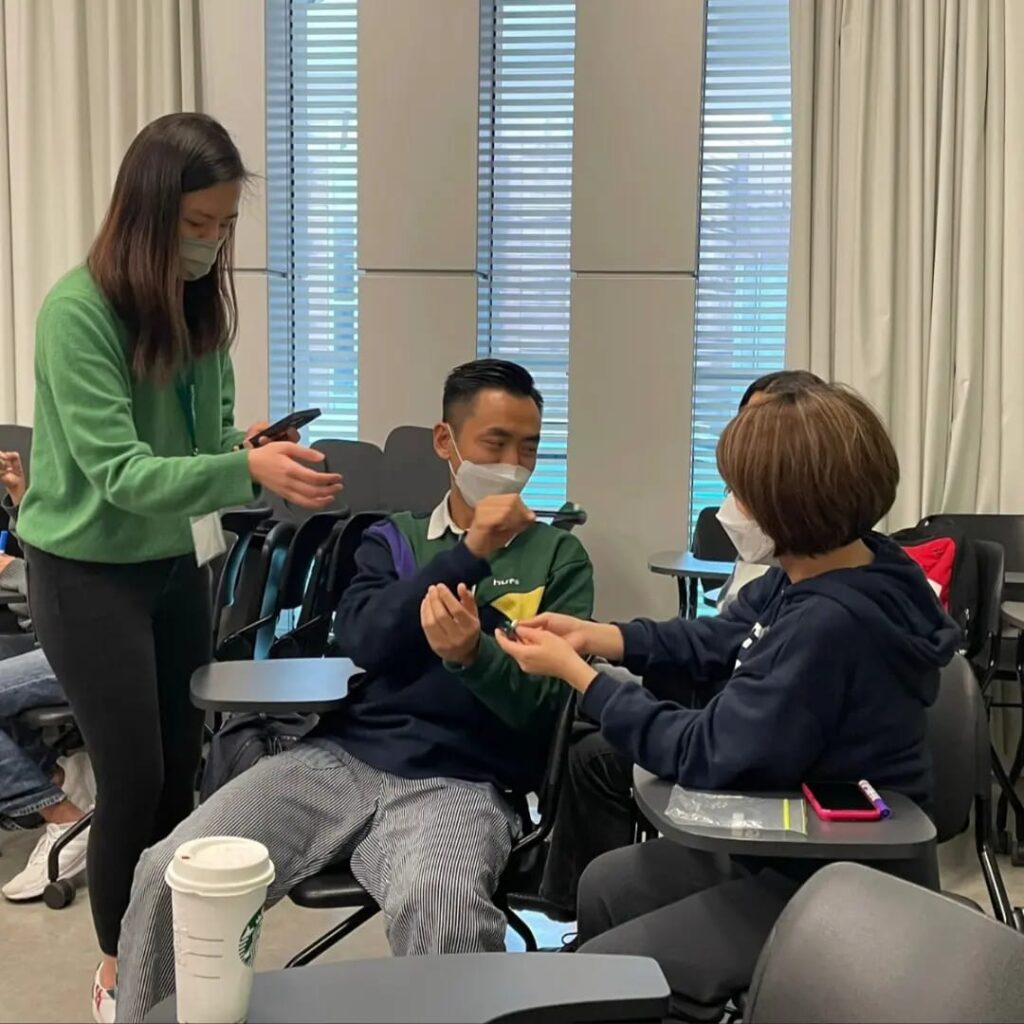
907, 249
78, 78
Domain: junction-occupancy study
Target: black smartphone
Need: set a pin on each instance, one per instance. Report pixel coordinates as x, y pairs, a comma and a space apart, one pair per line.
293, 421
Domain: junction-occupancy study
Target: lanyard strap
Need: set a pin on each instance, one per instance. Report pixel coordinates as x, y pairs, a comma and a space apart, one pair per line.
186, 389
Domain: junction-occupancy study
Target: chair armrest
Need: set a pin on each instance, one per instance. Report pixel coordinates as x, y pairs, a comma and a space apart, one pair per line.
273, 687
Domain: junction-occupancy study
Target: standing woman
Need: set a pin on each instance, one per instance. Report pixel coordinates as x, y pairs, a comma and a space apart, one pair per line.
134, 452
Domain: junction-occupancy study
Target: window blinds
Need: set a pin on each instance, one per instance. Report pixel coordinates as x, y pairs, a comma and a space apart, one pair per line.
525, 208
311, 205
743, 251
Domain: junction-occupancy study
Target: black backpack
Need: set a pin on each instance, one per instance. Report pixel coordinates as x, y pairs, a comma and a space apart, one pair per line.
964, 586
245, 739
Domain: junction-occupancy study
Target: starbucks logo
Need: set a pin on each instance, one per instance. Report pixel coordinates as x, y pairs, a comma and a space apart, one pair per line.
250, 938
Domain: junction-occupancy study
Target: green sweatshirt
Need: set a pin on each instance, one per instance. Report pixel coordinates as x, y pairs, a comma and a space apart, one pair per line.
113, 478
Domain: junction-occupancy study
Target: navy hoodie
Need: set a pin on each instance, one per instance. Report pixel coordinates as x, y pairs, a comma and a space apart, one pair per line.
827, 679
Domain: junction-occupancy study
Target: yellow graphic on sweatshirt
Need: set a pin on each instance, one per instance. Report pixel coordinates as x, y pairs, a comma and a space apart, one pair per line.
519, 606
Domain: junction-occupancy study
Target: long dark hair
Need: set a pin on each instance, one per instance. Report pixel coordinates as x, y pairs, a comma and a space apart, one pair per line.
136, 257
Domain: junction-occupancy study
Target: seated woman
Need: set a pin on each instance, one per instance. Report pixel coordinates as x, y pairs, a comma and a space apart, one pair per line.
36, 787
823, 670
597, 813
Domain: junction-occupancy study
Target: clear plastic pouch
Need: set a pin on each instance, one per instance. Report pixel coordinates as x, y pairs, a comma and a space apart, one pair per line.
736, 812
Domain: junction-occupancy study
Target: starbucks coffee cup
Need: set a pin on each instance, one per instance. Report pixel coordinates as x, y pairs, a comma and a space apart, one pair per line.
218, 885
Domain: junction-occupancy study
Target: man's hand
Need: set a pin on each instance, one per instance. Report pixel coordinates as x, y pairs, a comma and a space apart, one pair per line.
12, 476
496, 521
598, 639
540, 653
451, 625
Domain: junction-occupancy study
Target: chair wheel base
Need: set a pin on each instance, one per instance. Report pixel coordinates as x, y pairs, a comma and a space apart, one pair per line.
1017, 853
60, 894
1001, 841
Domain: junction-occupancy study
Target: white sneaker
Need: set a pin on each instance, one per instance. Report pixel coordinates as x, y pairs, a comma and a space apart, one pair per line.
79, 781
30, 882
104, 1002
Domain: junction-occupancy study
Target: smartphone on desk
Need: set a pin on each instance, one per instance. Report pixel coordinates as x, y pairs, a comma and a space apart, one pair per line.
293, 421
840, 801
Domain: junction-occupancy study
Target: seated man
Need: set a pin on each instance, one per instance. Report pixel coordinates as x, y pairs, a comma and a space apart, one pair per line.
409, 781
36, 787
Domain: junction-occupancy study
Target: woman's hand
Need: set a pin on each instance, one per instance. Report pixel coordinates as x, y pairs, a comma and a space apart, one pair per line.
598, 639
12, 476
277, 466
253, 435
542, 653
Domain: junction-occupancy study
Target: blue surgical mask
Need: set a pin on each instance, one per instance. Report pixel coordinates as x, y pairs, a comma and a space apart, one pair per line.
198, 256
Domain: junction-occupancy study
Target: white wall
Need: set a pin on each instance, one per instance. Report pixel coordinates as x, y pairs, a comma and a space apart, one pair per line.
418, 103
233, 90
636, 165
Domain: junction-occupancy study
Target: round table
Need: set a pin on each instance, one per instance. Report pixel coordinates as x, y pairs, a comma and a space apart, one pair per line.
686, 569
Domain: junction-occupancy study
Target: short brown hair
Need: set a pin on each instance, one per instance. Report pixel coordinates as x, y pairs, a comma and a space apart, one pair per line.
815, 468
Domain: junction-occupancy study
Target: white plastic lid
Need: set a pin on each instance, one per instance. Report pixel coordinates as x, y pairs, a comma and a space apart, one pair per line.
220, 866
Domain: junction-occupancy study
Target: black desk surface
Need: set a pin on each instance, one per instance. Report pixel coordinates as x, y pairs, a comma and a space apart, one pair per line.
458, 989
907, 835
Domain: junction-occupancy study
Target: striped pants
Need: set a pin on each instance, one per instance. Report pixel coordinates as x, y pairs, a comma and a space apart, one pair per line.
429, 851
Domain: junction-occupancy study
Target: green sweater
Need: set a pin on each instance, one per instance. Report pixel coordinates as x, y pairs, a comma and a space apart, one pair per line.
113, 478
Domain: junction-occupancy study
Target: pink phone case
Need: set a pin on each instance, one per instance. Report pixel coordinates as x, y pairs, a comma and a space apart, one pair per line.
828, 815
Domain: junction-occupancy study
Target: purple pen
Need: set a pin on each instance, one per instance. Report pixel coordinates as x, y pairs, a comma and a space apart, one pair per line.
872, 794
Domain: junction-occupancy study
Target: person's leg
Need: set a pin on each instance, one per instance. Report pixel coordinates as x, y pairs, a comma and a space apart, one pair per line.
307, 806
182, 638
635, 880
707, 943
432, 860
95, 625
596, 813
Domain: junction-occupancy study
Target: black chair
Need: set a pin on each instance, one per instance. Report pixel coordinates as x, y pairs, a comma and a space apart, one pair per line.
331, 572
336, 887
711, 543
958, 741
361, 463
1007, 531
413, 478
248, 611
855, 945
14, 438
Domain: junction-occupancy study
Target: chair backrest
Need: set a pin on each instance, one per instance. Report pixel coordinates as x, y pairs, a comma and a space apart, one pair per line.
343, 558
302, 551
959, 747
989, 626
361, 463
14, 438
414, 479
710, 541
1005, 530
856, 945
248, 616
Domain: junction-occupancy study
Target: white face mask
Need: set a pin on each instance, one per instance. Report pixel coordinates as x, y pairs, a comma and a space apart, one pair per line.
751, 542
198, 256
477, 481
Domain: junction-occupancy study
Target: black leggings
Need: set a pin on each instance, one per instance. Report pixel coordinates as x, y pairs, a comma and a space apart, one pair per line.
123, 641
